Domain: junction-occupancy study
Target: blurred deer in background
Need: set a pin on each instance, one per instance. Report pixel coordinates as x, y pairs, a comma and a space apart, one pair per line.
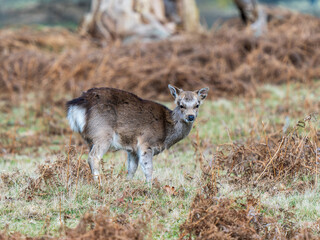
109, 118
252, 13
248, 10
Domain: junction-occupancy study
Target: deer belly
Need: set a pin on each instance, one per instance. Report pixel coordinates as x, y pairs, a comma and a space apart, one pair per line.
118, 144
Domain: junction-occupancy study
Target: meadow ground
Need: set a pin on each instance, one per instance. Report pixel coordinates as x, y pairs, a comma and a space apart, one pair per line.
248, 170
46, 187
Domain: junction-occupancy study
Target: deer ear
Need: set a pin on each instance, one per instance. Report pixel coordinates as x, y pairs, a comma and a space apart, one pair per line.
202, 93
174, 91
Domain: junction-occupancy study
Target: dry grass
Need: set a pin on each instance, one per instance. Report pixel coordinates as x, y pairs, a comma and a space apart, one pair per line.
215, 217
230, 60
259, 170
277, 157
92, 226
47, 189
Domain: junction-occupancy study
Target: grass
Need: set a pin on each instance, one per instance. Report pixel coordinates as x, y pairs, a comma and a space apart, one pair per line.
28, 140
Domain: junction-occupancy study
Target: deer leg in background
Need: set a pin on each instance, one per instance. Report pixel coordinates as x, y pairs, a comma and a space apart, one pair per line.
133, 161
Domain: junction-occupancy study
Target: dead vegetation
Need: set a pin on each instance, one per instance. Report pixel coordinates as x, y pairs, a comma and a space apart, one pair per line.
278, 162
99, 226
64, 171
230, 60
282, 157
64, 175
93, 226
214, 217
53, 64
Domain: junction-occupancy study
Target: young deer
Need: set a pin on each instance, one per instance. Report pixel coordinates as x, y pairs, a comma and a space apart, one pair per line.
111, 118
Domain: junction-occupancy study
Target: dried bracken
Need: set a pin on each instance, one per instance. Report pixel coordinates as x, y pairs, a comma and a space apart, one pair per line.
279, 158
94, 226
54, 64
214, 217
230, 60
63, 171
273, 160
217, 219
100, 226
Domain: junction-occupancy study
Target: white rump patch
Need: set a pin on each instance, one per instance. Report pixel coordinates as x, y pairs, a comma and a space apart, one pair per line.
77, 118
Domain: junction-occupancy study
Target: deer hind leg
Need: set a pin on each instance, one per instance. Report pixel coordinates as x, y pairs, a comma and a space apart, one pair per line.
96, 153
133, 161
145, 160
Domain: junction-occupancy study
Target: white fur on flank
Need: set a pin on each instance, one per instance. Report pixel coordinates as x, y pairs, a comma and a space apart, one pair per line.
77, 118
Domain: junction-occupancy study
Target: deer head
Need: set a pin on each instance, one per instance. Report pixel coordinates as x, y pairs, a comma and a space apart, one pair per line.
188, 102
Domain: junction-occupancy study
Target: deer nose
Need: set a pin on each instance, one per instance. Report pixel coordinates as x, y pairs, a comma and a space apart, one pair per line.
190, 118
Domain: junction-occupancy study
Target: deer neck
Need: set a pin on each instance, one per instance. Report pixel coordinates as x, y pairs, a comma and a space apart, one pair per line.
178, 128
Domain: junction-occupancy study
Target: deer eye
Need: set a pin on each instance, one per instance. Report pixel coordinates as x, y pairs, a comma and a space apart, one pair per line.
197, 106
181, 106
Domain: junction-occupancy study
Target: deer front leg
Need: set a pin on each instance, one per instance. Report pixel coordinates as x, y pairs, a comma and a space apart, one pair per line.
133, 161
145, 160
